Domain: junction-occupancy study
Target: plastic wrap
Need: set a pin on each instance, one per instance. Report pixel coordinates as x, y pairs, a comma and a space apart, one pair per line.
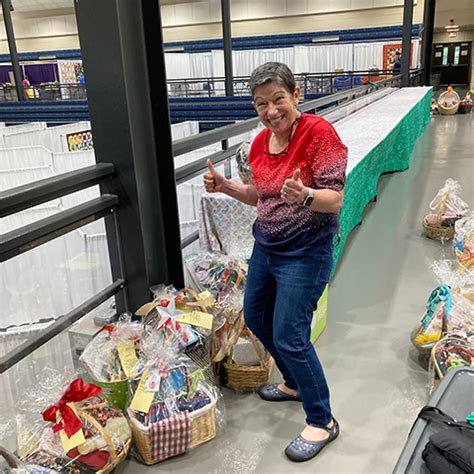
111, 356
447, 206
66, 425
448, 353
220, 274
464, 242
174, 407
449, 309
242, 156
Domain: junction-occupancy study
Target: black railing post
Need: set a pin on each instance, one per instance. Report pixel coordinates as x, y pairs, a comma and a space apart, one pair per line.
427, 40
7, 18
406, 41
122, 39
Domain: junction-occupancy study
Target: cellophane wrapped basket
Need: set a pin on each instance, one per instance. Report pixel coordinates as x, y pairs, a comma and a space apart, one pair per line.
445, 209
449, 309
111, 358
449, 352
174, 406
464, 242
81, 431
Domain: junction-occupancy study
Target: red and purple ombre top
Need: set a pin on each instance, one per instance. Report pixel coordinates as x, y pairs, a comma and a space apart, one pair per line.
295, 230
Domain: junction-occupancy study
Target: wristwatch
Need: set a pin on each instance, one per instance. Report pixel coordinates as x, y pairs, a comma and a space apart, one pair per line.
308, 200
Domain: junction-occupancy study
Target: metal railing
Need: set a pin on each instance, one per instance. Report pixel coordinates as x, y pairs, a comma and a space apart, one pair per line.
26, 238
32, 235
50, 91
310, 83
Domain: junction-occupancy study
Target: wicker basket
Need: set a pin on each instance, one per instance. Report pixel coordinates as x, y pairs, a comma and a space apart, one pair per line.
248, 377
443, 344
437, 231
450, 109
115, 458
203, 428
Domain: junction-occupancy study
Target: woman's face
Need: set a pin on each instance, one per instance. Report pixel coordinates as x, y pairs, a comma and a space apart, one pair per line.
276, 107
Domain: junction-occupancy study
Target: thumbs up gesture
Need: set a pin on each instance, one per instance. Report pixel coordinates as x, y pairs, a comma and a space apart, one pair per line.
293, 189
213, 181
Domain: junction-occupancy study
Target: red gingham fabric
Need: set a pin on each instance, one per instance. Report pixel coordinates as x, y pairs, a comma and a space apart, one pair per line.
171, 436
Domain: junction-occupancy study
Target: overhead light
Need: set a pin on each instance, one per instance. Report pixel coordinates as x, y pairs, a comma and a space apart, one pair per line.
452, 34
47, 56
324, 39
173, 49
451, 26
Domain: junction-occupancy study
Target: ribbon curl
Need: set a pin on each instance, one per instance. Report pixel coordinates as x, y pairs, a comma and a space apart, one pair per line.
76, 392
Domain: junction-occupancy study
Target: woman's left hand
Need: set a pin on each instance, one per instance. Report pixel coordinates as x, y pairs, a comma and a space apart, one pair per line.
293, 190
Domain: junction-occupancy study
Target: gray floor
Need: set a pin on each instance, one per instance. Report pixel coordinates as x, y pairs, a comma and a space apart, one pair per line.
376, 297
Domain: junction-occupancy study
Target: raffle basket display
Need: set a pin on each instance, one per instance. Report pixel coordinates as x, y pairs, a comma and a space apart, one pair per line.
174, 405
88, 434
464, 241
446, 208
175, 435
448, 353
448, 102
111, 359
248, 376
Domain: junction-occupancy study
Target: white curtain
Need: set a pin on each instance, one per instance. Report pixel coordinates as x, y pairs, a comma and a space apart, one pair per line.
368, 55
52, 138
24, 157
201, 65
327, 58
178, 65
245, 61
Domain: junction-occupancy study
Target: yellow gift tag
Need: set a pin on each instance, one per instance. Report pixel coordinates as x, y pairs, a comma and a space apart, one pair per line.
128, 357
205, 298
76, 439
142, 400
197, 318
146, 308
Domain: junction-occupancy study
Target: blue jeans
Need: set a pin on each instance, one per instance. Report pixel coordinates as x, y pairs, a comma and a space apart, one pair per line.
281, 294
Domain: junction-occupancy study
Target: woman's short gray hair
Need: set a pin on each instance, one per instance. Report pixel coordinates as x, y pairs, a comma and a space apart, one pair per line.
272, 72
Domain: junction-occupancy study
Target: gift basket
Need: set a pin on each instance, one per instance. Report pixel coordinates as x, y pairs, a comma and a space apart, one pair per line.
464, 241
80, 432
446, 208
449, 309
448, 102
111, 358
224, 277
449, 352
466, 104
174, 408
248, 365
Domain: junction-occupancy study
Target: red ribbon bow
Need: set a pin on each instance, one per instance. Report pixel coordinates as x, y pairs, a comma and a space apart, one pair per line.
76, 392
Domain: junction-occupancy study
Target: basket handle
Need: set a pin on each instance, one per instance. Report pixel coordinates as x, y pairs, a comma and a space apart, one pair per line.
108, 439
235, 329
253, 339
442, 209
9, 458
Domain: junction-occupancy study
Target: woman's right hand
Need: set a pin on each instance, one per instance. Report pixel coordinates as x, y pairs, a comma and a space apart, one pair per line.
213, 181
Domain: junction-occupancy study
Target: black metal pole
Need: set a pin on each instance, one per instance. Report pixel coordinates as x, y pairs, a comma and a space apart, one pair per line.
406, 41
227, 35
7, 18
122, 51
427, 39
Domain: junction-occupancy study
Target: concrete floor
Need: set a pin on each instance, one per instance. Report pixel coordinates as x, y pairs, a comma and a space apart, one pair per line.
376, 297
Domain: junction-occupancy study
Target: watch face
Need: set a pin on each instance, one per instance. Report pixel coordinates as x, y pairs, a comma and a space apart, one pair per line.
308, 201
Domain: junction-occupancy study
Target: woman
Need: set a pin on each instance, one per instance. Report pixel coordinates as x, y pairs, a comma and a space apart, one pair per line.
298, 163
